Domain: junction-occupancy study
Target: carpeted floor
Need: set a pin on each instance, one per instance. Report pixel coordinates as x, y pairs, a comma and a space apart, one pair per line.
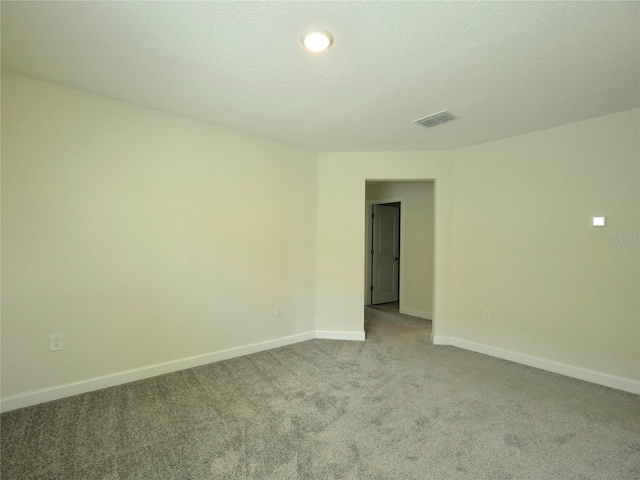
393, 407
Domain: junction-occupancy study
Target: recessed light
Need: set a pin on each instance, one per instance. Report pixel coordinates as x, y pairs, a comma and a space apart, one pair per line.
316, 40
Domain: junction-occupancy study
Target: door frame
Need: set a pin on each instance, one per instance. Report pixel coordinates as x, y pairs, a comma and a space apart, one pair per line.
368, 227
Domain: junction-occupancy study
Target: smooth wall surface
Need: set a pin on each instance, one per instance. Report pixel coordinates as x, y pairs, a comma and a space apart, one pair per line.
524, 248
143, 237
146, 238
513, 236
416, 294
341, 230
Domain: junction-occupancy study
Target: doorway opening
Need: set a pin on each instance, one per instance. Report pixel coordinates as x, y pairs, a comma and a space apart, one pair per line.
404, 237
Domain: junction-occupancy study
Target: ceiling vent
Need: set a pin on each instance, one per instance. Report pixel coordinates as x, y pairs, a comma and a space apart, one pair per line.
436, 119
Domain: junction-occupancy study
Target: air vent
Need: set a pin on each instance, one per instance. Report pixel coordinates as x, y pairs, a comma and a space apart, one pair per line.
436, 119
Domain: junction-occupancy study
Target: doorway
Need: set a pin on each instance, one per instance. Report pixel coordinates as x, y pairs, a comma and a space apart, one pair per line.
416, 245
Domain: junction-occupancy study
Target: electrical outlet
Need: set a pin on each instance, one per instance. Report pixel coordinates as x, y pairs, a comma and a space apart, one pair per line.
279, 310
486, 315
56, 342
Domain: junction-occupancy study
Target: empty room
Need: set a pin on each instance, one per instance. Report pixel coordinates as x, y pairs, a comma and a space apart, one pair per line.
320, 240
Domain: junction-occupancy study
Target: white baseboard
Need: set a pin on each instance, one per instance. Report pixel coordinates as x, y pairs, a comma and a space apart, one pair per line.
46, 395
416, 313
330, 335
619, 383
35, 397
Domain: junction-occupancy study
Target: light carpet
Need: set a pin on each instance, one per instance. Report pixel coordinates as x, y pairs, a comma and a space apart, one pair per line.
393, 407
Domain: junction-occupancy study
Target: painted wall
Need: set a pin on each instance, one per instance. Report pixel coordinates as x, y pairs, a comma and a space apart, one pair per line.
143, 237
525, 250
416, 293
512, 236
341, 230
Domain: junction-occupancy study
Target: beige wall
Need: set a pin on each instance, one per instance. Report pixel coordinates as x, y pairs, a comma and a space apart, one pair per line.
512, 236
416, 292
341, 230
143, 237
146, 238
524, 247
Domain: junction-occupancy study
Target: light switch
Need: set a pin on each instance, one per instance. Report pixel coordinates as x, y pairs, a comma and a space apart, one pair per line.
599, 221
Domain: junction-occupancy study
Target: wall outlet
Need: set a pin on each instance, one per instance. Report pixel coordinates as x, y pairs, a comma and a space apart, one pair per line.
279, 310
56, 342
486, 315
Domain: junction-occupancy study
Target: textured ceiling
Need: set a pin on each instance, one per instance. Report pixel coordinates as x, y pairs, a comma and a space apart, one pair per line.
504, 68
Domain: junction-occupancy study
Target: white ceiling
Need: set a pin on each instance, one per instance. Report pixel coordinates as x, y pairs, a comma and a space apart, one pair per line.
504, 68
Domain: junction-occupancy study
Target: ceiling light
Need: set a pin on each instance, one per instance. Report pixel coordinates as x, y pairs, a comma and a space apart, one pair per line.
316, 40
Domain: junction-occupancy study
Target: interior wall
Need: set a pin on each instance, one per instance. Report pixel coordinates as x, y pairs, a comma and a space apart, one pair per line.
143, 237
416, 294
512, 236
341, 230
524, 248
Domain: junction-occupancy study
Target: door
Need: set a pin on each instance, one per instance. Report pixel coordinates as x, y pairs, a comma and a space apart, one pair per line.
385, 254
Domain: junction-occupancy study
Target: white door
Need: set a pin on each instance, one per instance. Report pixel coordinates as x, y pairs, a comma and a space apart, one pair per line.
385, 254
